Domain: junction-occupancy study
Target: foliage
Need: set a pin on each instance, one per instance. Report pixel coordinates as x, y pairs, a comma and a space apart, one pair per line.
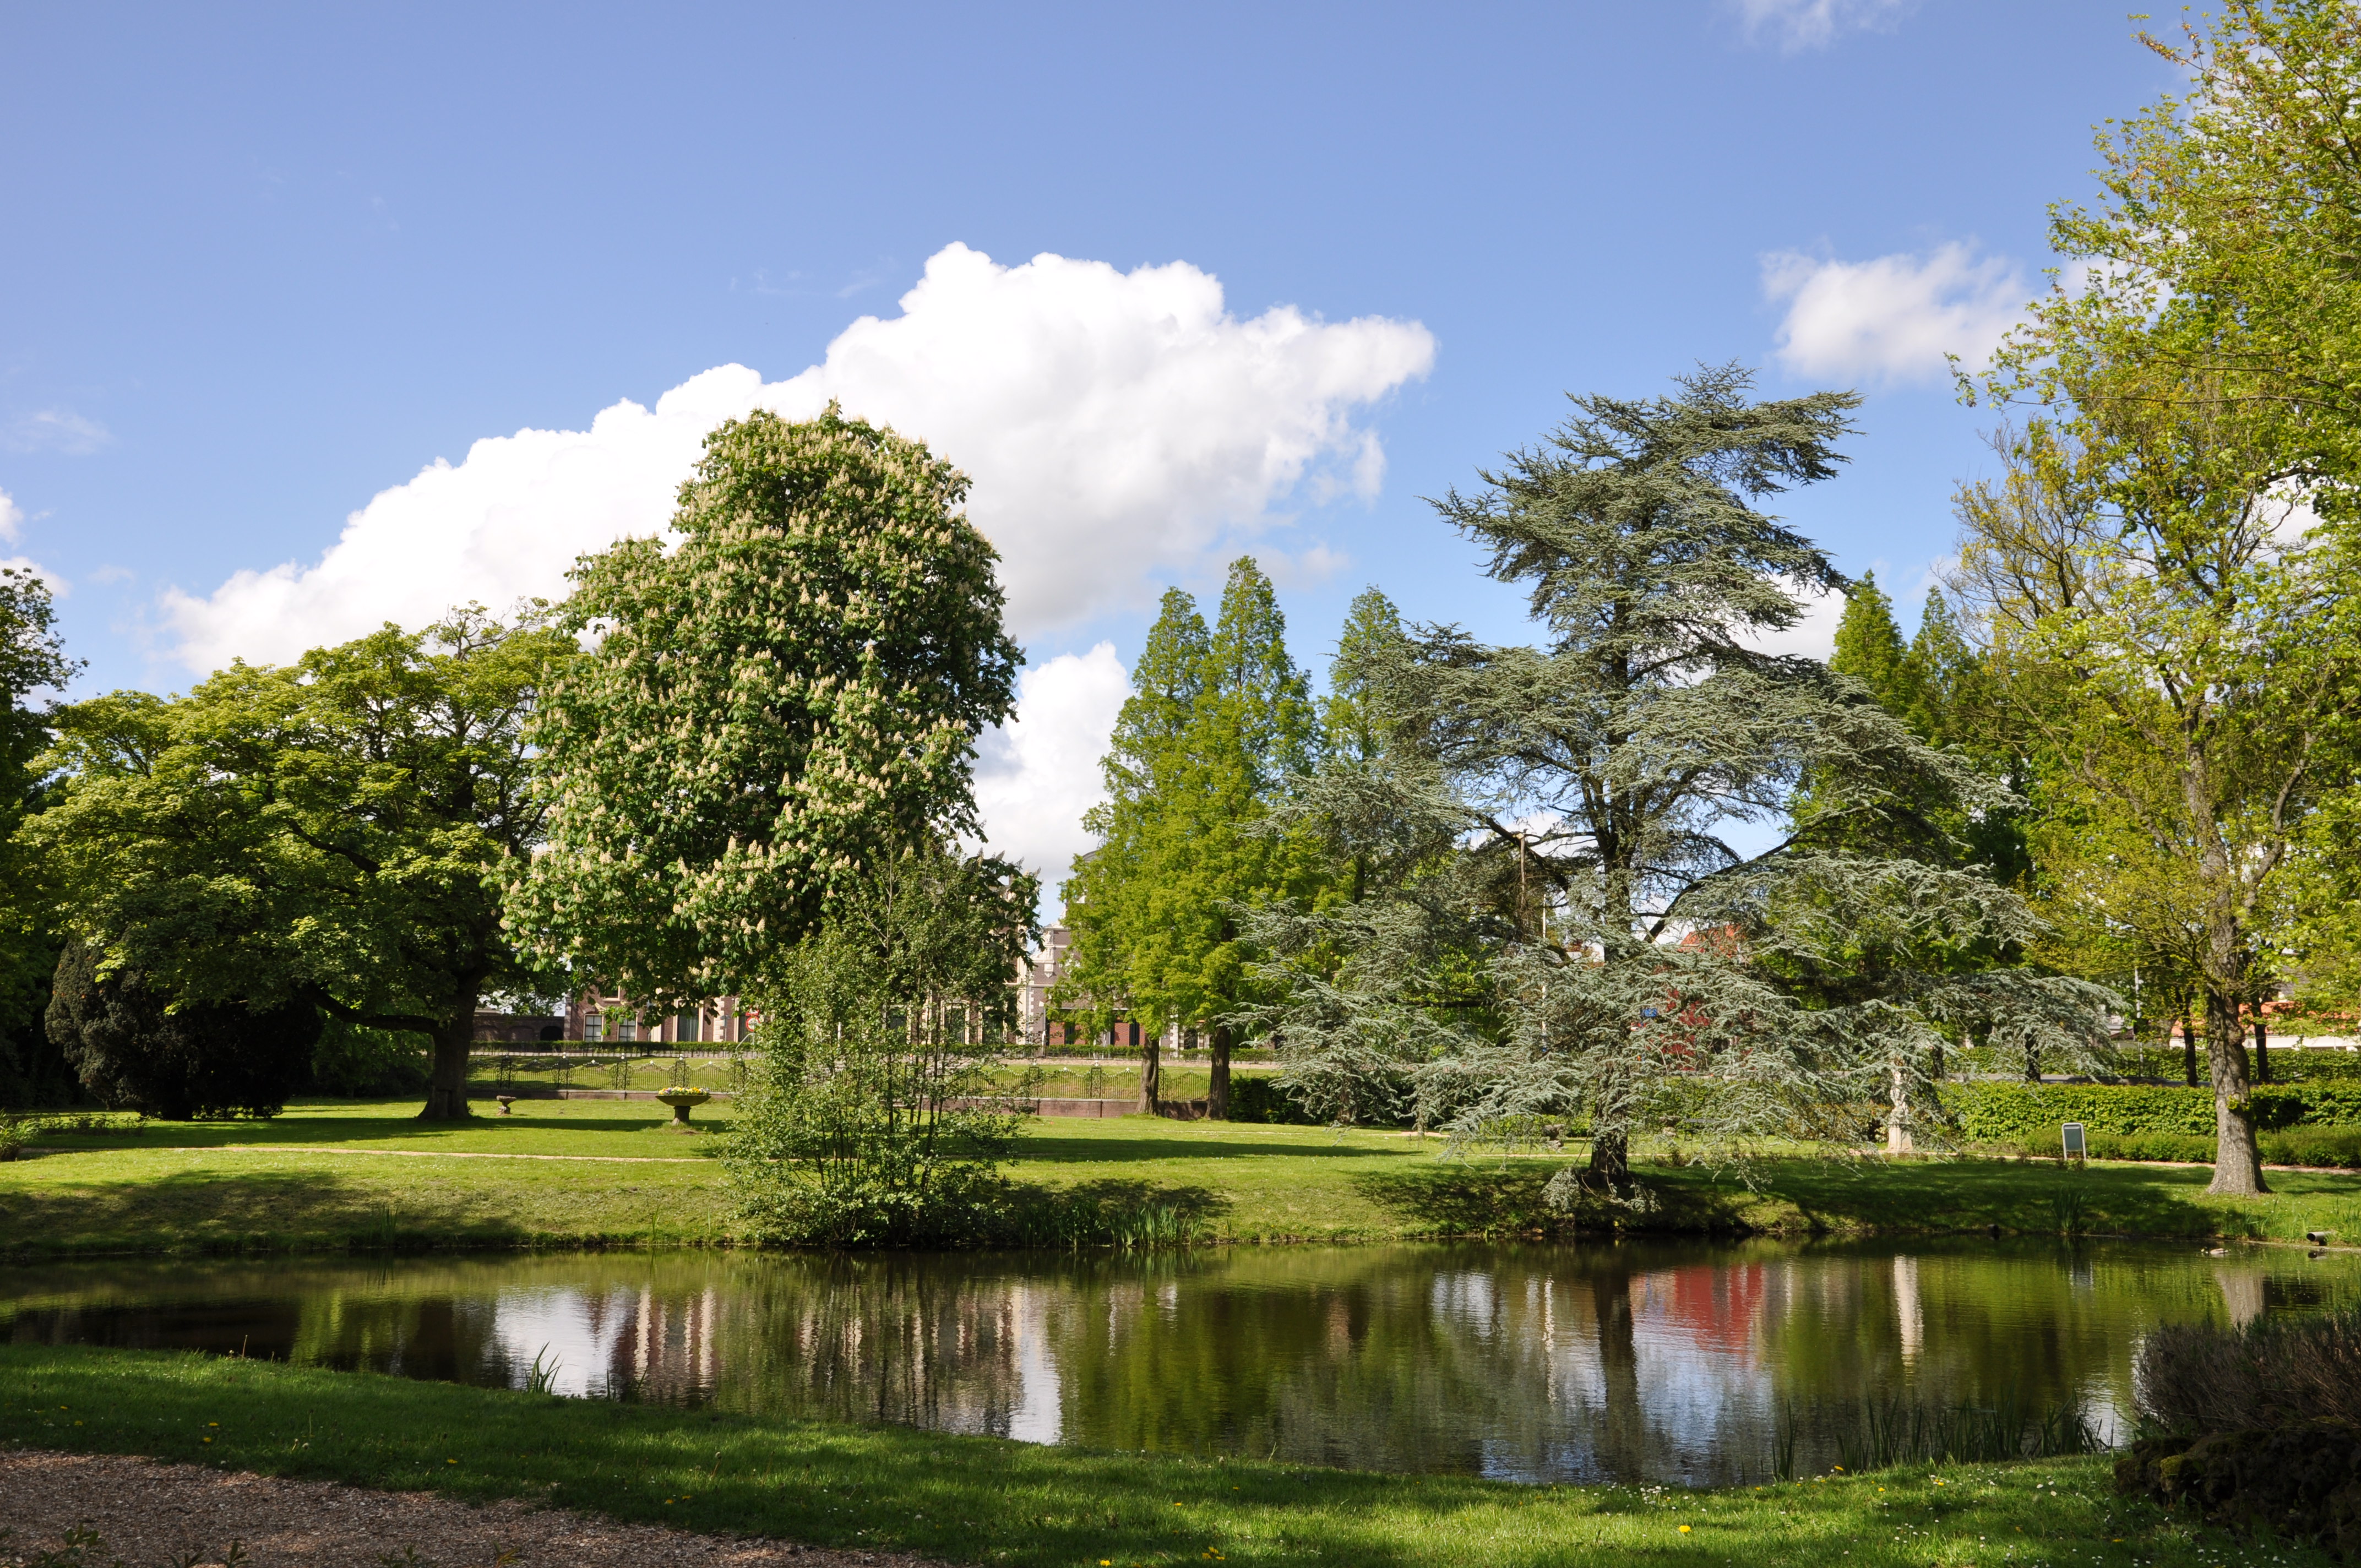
32, 660
1217, 727
361, 1063
869, 1123
329, 833
1564, 817
781, 697
1259, 1098
2167, 560
135, 1048
2278, 1370
2014, 1112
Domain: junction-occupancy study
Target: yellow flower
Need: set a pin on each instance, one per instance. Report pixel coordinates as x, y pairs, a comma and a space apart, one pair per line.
1684, 1530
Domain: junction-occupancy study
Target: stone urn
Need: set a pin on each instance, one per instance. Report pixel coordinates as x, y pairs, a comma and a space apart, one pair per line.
506, 1101
680, 1096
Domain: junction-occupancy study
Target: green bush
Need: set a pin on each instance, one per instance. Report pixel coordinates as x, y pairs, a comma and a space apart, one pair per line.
2337, 1147
1256, 1097
2027, 1113
354, 1063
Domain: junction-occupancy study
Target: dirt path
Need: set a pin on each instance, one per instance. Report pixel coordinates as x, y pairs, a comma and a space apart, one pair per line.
149, 1514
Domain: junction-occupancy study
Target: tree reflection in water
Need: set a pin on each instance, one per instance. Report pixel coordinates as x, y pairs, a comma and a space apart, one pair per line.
1627, 1361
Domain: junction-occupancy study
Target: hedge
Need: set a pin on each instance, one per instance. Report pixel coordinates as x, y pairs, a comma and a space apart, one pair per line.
1256, 1097
2026, 1113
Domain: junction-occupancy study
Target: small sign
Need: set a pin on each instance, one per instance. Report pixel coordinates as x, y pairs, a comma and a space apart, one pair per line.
2073, 1136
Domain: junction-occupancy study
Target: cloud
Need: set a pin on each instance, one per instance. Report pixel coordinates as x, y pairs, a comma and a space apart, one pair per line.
54, 430
1815, 24
1119, 428
1894, 318
1814, 634
1036, 777
12, 519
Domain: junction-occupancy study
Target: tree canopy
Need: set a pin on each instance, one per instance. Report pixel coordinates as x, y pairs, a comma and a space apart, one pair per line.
776, 701
1218, 728
1579, 812
331, 833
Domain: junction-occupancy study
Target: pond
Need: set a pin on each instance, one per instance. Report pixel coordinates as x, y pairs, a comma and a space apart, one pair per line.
1631, 1362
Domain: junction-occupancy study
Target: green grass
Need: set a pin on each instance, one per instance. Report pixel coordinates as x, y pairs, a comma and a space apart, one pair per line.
334, 1174
987, 1501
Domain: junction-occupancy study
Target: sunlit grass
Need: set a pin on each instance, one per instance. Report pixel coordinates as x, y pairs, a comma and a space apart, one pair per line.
337, 1174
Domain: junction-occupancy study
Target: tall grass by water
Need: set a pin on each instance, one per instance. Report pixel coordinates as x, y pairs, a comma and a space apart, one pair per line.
1875, 1432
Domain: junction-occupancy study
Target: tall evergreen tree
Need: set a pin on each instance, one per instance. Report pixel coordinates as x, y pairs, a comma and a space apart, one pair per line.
1870, 649
1218, 726
1597, 790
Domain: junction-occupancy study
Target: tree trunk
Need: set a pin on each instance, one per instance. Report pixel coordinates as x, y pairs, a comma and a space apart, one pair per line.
2187, 1043
2262, 1049
1217, 1092
1151, 1070
2237, 1162
1898, 1120
1610, 1160
447, 1082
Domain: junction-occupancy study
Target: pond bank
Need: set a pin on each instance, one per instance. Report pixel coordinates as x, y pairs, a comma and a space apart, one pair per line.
990, 1501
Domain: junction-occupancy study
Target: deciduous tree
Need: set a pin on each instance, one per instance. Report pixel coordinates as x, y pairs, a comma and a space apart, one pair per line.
779, 699
331, 833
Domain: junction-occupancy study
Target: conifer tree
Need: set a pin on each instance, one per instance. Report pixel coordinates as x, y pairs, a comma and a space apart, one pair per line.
1218, 726
1588, 798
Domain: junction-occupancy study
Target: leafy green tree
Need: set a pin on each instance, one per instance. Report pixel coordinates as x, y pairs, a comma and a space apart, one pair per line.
331, 833
1218, 726
133, 1049
1592, 791
872, 1121
2184, 657
32, 661
781, 698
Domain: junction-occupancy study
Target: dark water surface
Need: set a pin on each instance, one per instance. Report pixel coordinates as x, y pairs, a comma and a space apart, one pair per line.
1662, 1362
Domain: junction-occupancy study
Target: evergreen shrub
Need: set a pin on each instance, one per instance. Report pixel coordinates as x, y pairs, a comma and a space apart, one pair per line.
1256, 1097
2024, 1112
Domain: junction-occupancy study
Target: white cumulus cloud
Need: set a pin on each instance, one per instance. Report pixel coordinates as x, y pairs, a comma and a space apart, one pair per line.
12, 519
1814, 23
1036, 777
1894, 318
1118, 426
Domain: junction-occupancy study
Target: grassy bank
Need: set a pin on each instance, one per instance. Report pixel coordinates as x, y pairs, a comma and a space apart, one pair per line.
987, 1501
336, 1175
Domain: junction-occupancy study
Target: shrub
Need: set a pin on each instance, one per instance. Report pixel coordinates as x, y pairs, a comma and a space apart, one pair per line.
354, 1063
2194, 1378
1256, 1097
134, 1049
2029, 1114
871, 1120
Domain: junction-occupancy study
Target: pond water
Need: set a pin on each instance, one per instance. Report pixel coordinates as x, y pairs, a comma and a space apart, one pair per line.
1631, 1362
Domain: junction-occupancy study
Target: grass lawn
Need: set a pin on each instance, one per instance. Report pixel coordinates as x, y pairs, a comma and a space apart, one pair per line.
988, 1501
337, 1174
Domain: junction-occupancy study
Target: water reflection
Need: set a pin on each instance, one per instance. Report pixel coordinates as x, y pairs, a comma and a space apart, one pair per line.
1540, 1363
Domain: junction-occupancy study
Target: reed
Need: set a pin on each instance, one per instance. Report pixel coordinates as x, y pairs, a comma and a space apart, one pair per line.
1879, 1433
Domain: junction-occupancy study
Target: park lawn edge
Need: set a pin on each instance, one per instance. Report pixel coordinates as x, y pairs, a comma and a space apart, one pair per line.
256, 1190
993, 1501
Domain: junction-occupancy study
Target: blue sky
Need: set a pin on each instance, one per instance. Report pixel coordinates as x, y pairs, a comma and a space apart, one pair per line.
268, 263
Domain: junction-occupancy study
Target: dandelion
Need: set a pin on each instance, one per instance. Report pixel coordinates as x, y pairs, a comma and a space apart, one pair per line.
1684, 1530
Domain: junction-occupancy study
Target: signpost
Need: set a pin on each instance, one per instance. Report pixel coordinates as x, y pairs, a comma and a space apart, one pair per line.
2072, 1133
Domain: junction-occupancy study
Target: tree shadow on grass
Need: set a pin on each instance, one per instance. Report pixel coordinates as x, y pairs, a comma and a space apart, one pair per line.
295, 1127
248, 1211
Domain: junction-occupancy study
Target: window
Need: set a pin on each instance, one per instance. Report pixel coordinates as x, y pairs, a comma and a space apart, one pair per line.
594, 1027
685, 1029
627, 1030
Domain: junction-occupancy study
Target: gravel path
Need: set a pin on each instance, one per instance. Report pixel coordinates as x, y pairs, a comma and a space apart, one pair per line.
149, 1515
